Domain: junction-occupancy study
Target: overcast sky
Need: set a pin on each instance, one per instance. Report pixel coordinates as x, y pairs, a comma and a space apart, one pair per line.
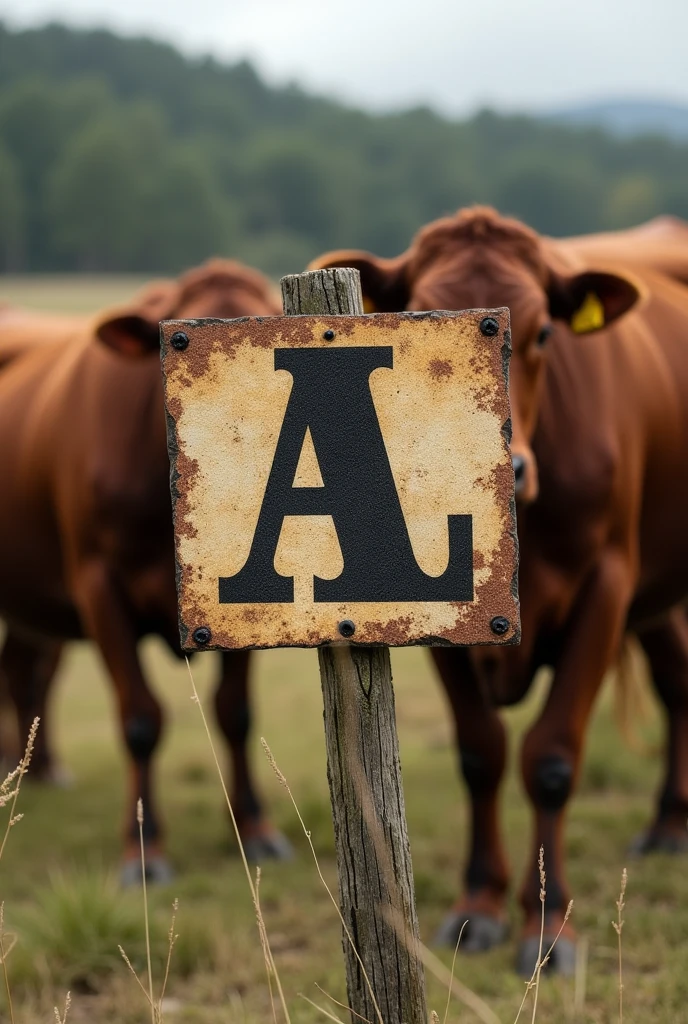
454, 54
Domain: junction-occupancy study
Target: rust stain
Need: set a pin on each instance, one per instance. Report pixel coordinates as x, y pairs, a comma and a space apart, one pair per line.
440, 369
444, 413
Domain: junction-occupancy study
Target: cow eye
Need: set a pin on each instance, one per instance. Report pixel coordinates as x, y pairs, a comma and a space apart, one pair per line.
543, 335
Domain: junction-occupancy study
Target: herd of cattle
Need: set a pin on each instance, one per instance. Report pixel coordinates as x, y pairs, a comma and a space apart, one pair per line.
599, 395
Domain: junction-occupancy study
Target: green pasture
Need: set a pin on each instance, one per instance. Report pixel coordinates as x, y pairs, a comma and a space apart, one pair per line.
58, 872
68, 293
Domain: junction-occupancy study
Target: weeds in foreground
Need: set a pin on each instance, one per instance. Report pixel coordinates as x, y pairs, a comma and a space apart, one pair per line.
155, 1007
9, 794
9, 791
337, 1003
618, 928
139, 819
282, 779
430, 961
408, 938
534, 982
270, 968
62, 1018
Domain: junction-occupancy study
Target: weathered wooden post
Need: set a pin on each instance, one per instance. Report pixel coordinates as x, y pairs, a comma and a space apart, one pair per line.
363, 770
361, 499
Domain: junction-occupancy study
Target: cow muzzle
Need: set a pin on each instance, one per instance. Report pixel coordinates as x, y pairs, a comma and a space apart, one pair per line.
525, 477
519, 464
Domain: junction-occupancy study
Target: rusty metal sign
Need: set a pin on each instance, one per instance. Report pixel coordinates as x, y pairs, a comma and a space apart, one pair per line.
342, 477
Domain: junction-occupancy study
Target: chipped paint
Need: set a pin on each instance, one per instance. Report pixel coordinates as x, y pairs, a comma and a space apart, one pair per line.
444, 415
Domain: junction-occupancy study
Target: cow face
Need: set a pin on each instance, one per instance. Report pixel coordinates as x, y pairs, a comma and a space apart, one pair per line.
218, 288
479, 260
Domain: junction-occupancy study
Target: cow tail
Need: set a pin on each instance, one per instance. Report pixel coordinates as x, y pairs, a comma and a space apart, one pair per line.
632, 699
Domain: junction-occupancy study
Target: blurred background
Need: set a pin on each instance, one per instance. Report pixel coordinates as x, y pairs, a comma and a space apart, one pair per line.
138, 138
142, 136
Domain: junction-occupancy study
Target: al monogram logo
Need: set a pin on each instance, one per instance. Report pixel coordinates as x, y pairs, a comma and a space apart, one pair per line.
331, 399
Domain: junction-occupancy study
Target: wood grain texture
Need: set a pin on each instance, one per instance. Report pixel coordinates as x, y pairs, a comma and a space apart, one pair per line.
364, 774
323, 291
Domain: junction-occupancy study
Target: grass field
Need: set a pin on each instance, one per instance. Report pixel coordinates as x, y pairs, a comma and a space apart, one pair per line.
68, 293
57, 874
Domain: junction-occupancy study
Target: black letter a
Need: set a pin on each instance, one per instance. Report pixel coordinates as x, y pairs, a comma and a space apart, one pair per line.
331, 397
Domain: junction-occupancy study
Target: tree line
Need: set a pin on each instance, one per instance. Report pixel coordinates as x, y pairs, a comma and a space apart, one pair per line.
121, 154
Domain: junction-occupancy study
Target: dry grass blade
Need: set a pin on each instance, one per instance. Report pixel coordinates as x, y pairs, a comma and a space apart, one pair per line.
9, 794
456, 950
543, 895
618, 928
136, 977
63, 1018
9, 789
541, 963
268, 952
343, 1005
535, 976
534, 981
462, 992
139, 819
9, 940
155, 1008
322, 1009
263, 943
171, 939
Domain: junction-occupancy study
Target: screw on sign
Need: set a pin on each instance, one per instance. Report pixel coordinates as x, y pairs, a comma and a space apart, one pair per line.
343, 481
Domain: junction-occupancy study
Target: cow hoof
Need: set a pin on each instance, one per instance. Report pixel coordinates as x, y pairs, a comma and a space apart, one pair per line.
480, 933
658, 842
272, 846
562, 959
158, 872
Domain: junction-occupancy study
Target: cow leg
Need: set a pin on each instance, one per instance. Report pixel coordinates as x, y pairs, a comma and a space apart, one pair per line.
552, 750
29, 667
108, 622
666, 646
481, 738
260, 839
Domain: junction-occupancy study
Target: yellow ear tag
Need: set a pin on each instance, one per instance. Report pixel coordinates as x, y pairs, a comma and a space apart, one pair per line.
590, 316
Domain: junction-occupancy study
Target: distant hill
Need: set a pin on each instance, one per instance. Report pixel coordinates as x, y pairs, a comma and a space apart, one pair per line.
124, 155
628, 118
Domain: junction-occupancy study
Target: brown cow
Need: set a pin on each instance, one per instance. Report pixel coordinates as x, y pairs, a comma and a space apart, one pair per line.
86, 545
22, 330
599, 396
27, 665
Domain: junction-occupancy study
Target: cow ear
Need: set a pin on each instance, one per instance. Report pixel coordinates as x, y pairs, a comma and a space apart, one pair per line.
129, 334
383, 282
591, 300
